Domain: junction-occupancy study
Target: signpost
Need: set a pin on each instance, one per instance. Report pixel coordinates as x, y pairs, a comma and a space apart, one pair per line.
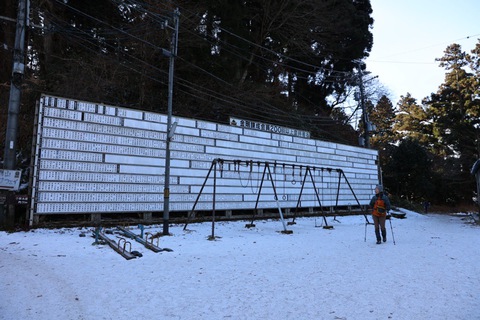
10, 179
10, 182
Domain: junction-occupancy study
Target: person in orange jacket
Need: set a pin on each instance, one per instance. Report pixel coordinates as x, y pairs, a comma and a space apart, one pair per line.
380, 205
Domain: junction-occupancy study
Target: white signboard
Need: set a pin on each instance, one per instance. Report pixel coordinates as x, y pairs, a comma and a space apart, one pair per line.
95, 158
256, 125
10, 179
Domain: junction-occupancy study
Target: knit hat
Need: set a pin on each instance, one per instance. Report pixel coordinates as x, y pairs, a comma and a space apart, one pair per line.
379, 187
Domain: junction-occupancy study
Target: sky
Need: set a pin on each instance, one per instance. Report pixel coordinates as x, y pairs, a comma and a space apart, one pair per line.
409, 35
431, 271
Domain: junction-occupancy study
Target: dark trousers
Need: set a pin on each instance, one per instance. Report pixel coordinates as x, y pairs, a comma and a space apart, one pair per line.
379, 223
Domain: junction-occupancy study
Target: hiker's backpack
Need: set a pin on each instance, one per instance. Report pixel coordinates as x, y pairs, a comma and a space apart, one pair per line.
380, 208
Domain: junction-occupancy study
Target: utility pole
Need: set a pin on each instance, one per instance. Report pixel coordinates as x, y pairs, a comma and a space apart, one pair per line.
366, 122
170, 128
7, 217
9, 160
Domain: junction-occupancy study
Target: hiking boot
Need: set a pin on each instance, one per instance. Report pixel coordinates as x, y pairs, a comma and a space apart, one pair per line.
384, 235
377, 235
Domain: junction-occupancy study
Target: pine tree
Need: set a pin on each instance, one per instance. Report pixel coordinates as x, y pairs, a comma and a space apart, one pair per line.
412, 122
287, 62
408, 173
454, 109
383, 116
454, 115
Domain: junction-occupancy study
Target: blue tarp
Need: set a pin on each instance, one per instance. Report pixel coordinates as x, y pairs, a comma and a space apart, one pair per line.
475, 167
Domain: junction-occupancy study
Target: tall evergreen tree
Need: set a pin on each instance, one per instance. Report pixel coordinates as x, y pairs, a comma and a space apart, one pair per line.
454, 109
383, 117
454, 114
273, 61
412, 121
290, 54
408, 173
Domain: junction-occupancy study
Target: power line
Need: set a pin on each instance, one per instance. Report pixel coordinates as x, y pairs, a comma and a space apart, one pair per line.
165, 52
403, 62
427, 47
210, 42
275, 53
184, 83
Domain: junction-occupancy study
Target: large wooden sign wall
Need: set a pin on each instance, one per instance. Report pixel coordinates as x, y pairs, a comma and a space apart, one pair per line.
94, 158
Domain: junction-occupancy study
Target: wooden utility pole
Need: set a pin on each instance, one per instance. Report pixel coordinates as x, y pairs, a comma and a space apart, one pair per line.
170, 127
15, 88
366, 122
9, 159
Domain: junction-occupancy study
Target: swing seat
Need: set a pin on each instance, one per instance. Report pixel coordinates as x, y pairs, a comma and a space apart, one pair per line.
291, 223
250, 225
399, 215
286, 231
327, 227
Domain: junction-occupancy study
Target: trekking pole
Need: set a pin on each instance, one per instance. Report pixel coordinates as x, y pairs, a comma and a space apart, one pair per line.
391, 228
365, 239
366, 224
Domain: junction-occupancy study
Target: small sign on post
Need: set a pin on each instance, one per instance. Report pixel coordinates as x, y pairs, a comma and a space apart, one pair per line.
10, 179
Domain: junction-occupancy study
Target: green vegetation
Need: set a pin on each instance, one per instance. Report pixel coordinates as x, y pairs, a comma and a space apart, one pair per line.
288, 62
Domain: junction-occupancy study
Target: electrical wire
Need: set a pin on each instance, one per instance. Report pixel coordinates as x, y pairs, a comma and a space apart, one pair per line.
184, 83
190, 85
202, 89
139, 5
420, 49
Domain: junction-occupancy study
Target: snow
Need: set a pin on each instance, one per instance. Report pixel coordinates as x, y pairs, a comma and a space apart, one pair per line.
432, 272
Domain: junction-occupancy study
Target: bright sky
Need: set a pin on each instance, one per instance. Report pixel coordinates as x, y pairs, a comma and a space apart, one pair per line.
408, 35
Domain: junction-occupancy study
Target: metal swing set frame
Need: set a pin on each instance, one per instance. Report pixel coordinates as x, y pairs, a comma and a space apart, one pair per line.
267, 172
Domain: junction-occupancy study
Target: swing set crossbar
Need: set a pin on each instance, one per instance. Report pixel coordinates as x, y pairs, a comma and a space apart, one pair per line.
219, 162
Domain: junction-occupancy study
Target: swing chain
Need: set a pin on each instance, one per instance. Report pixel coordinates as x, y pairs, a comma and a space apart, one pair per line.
293, 175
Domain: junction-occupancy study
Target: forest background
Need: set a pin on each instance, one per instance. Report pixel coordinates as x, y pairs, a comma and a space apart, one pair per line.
296, 63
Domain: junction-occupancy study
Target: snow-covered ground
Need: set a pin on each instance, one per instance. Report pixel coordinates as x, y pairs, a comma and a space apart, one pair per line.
433, 272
